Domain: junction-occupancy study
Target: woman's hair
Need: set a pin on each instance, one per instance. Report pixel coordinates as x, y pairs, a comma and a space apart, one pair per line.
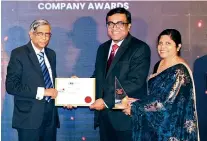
174, 35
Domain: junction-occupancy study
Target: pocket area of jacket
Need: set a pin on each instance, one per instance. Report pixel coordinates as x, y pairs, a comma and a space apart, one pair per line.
23, 105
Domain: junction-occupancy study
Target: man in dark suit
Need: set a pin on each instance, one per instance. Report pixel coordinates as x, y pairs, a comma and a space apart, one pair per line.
127, 58
200, 78
30, 78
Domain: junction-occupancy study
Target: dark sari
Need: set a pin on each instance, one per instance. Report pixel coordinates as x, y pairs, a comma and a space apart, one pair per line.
168, 113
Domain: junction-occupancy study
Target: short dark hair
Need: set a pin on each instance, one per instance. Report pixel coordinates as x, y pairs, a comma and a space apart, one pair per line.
174, 35
119, 10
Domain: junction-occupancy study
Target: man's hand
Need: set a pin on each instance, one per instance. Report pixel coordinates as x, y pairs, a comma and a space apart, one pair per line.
51, 92
74, 76
70, 107
98, 104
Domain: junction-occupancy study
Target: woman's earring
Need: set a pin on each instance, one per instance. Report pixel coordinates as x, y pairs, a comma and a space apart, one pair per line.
179, 46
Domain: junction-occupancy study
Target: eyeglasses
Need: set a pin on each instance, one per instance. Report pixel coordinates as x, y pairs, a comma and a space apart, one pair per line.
119, 24
41, 34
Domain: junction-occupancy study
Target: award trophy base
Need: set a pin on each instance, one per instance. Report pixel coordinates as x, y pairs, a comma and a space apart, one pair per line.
122, 104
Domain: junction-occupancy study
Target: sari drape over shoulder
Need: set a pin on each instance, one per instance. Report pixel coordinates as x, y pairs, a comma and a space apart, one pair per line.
168, 113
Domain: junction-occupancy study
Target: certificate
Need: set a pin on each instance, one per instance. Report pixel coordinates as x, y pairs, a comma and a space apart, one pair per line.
75, 91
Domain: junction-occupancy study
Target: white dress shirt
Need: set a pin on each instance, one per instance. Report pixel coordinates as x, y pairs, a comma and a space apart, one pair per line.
112, 43
41, 90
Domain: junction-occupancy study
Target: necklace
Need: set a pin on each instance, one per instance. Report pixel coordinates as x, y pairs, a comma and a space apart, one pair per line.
165, 64
162, 66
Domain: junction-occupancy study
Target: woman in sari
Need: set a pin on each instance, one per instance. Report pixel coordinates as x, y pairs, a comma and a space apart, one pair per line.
168, 113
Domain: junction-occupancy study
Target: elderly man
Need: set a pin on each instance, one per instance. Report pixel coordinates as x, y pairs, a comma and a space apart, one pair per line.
30, 79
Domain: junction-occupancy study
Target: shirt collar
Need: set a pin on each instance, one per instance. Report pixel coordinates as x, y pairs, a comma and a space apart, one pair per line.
37, 51
119, 43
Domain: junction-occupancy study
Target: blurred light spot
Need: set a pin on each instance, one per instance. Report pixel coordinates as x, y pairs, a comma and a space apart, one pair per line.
83, 138
200, 24
5, 38
72, 118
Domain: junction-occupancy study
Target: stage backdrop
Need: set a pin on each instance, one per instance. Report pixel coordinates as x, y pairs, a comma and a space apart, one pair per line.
78, 28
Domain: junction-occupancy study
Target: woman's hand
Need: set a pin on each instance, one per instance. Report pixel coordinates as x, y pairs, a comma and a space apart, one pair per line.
127, 110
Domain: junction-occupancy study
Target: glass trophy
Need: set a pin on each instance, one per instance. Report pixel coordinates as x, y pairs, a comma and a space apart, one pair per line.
121, 98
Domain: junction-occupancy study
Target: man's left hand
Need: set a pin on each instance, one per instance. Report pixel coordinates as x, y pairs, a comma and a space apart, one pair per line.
98, 104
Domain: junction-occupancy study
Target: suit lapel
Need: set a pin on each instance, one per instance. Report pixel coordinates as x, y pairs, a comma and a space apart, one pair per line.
119, 53
34, 59
50, 59
105, 57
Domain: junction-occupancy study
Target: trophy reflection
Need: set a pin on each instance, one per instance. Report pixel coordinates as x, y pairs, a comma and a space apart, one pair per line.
121, 98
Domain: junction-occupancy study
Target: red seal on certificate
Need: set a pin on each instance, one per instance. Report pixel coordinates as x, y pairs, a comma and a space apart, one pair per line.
88, 99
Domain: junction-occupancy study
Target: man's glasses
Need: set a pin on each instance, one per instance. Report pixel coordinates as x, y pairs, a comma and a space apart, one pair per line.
119, 24
41, 34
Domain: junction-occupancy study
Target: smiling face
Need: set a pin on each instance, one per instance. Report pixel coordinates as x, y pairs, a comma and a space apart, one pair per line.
41, 36
120, 29
167, 47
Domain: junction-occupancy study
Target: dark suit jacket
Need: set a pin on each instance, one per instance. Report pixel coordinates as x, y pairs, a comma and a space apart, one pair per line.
200, 78
24, 75
131, 66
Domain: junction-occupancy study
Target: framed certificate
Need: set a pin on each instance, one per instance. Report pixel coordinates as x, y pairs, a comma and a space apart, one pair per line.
75, 91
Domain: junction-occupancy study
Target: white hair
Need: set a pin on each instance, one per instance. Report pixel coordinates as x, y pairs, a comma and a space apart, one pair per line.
36, 23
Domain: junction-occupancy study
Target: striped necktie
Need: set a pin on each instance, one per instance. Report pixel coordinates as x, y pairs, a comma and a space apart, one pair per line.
46, 75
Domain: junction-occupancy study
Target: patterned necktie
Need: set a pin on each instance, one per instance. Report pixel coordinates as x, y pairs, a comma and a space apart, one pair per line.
111, 57
46, 75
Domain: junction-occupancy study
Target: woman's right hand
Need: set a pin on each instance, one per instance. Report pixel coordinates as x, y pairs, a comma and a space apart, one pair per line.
127, 110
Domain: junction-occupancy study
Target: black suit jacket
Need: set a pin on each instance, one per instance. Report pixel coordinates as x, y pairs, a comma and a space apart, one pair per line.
131, 66
200, 78
24, 75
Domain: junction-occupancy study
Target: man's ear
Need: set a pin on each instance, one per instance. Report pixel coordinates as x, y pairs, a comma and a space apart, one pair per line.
129, 27
30, 34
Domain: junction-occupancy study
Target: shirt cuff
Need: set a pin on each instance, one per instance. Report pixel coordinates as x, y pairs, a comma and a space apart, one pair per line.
40, 93
106, 105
